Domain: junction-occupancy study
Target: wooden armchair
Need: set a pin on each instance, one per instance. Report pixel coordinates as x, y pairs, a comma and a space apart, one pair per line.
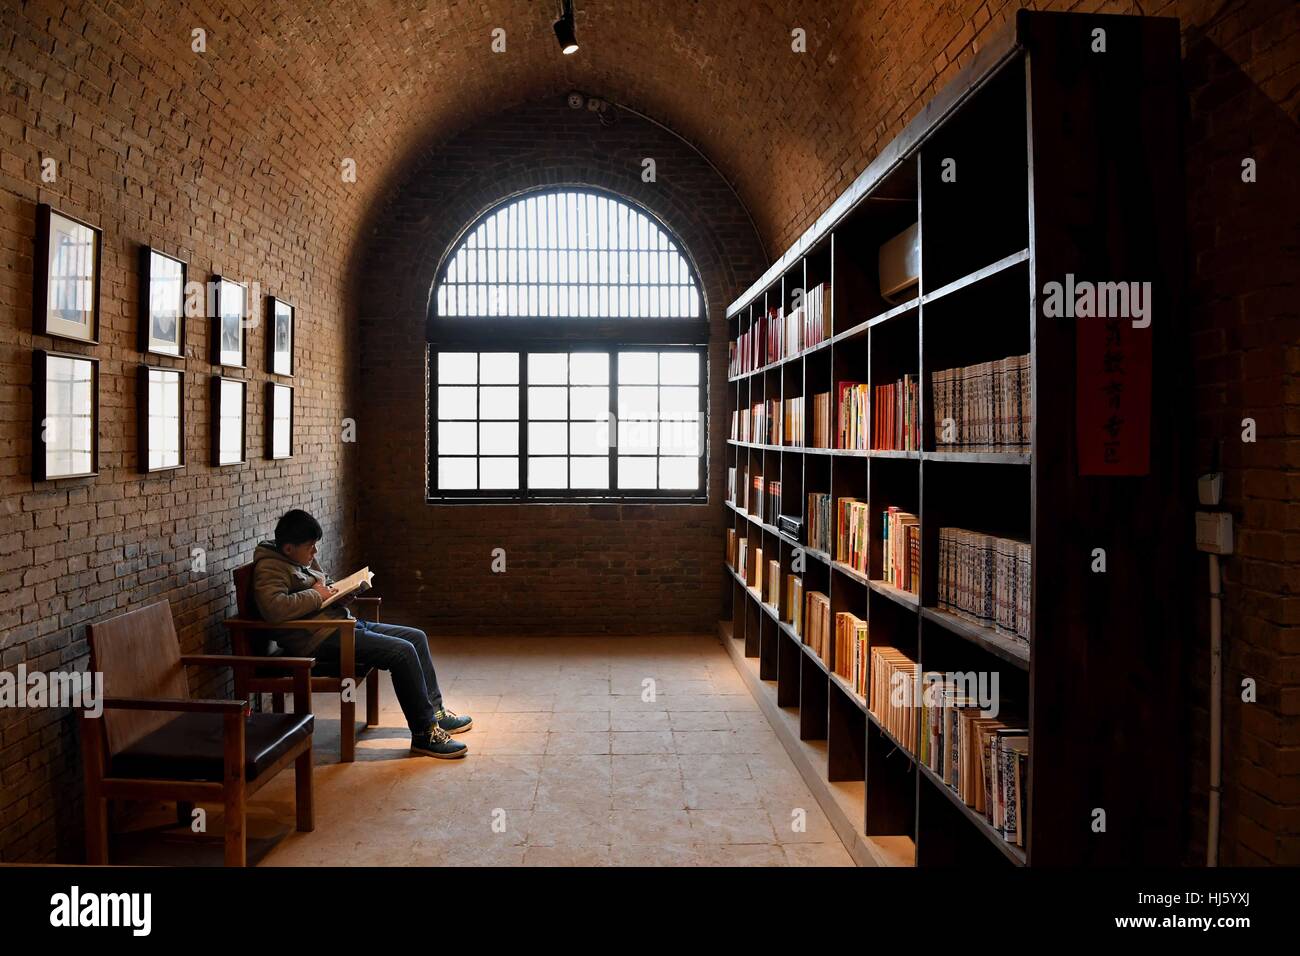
248, 637
155, 742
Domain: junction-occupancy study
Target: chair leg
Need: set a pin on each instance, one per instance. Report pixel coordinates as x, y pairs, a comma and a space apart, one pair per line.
96, 807
372, 699
305, 791
96, 830
347, 729
277, 703
234, 791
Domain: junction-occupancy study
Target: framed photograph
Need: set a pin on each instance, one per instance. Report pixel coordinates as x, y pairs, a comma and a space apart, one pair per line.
279, 420
162, 419
65, 416
229, 322
279, 336
65, 289
229, 420
162, 303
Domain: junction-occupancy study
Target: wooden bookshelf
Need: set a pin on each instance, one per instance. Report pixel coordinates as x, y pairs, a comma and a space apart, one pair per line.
1067, 161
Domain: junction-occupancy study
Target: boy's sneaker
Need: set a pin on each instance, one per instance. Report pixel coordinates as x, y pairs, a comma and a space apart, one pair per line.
438, 743
452, 722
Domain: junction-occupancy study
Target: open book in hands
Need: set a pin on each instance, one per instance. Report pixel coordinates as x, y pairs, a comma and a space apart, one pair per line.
349, 587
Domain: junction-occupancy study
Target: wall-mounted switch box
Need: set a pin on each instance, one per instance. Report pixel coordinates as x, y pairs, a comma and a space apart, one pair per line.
1209, 488
1214, 532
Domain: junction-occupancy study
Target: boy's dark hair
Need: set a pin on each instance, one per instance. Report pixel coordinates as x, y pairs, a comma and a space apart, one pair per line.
297, 527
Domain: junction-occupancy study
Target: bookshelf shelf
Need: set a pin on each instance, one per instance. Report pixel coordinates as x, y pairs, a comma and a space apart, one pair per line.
891, 739
975, 365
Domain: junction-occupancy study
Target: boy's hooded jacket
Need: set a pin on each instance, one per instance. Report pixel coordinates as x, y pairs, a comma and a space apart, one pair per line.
283, 590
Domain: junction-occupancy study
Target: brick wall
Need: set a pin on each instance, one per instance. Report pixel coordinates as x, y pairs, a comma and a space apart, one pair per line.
570, 568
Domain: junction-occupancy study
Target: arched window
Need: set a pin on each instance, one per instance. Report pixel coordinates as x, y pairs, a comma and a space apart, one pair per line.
567, 357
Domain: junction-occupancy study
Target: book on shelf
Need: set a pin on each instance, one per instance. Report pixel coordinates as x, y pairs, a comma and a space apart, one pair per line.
817, 621
731, 484
853, 407
772, 504
893, 700
757, 581
754, 502
851, 651
896, 425
731, 548
774, 583
794, 421
821, 437
852, 517
986, 579
988, 406
817, 315
819, 521
901, 549
742, 558
794, 602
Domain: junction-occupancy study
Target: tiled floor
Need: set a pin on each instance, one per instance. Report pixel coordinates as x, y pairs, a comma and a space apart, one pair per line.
584, 751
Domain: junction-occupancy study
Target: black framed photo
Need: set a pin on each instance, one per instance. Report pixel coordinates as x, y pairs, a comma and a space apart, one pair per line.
162, 418
65, 416
229, 420
65, 288
229, 323
279, 336
279, 420
162, 303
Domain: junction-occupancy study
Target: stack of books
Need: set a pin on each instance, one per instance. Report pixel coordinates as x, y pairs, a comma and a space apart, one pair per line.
897, 425
820, 528
758, 423
821, 437
794, 421
817, 616
817, 315
986, 579
744, 353
851, 533
851, 660
901, 547
854, 411
986, 406
740, 425
794, 602
893, 699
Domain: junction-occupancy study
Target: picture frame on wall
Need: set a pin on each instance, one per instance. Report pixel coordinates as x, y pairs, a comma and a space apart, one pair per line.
162, 419
229, 420
65, 415
65, 287
162, 303
279, 421
229, 323
279, 336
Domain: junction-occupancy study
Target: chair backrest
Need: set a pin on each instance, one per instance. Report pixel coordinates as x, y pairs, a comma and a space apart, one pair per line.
139, 655
245, 603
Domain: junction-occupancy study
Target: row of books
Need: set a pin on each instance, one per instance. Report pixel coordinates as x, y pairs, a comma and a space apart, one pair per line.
854, 405
987, 579
897, 424
893, 675
817, 617
901, 548
818, 520
984, 760
987, 406
770, 423
852, 517
851, 647
773, 596
821, 433
778, 336
771, 502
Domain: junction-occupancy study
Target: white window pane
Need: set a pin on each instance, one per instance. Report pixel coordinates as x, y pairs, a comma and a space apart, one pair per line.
679, 438
548, 438
498, 473
589, 402
589, 368
457, 368
457, 401
637, 438
499, 401
638, 368
678, 402
548, 368
589, 472
681, 473
679, 368
636, 473
457, 473
457, 438
499, 438
589, 438
547, 402
548, 472
638, 401
499, 368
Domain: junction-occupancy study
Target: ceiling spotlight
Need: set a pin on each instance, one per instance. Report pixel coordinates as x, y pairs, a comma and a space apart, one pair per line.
565, 31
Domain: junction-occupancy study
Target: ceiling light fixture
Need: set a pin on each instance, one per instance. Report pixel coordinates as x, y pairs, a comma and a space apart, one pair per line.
565, 30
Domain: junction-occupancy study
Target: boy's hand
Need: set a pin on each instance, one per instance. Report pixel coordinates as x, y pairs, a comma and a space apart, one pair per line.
324, 590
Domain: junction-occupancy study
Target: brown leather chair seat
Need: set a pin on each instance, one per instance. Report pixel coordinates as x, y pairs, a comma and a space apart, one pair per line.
321, 669
190, 747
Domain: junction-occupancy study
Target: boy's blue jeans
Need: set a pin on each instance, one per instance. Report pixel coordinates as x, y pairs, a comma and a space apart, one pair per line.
404, 653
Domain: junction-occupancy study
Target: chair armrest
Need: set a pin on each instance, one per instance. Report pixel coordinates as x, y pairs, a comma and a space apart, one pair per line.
367, 600
230, 660
185, 705
297, 624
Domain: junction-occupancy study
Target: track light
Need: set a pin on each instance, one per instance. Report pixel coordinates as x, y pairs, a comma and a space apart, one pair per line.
565, 30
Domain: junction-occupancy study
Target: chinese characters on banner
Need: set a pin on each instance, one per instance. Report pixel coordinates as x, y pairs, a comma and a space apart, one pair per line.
1113, 396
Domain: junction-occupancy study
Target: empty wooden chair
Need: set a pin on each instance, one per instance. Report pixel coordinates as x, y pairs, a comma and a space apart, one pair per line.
155, 742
